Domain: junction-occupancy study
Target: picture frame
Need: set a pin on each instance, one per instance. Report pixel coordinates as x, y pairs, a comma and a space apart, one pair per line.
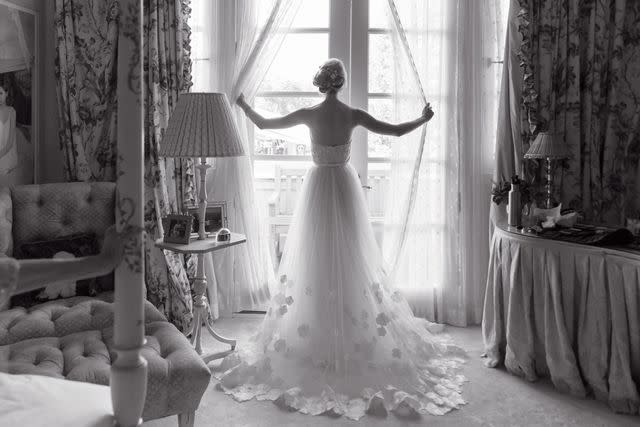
177, 228
20, 79
215, 217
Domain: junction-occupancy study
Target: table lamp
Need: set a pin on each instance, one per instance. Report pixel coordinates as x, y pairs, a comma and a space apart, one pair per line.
202, 125
548, 146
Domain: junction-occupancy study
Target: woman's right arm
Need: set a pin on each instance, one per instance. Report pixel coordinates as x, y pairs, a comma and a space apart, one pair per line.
369, 122
298, 117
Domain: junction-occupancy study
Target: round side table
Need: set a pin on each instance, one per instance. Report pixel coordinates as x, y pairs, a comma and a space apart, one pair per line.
200, 303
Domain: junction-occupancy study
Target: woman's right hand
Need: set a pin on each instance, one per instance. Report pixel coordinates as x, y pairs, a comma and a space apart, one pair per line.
241, 102
427, 112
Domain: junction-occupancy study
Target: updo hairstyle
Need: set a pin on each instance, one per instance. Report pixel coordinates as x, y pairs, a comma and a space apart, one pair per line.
331, 76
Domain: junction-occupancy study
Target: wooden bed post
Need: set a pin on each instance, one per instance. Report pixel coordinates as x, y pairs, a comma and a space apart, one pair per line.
129, 370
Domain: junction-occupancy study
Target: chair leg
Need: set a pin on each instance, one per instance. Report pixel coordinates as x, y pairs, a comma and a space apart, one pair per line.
186, 419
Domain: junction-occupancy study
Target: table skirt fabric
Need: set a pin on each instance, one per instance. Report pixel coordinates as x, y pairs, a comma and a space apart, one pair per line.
565, 311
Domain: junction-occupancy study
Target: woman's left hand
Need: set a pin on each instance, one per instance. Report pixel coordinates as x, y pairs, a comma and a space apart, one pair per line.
427, 112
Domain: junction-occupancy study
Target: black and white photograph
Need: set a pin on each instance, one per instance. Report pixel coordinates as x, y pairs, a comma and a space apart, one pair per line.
215, 217
319, 213
18, 94
177, 228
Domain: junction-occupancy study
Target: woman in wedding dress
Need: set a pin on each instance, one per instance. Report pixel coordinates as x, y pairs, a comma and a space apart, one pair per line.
8, 150
337, 338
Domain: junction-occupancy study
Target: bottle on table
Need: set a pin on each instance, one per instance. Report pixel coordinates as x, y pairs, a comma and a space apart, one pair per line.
515, 208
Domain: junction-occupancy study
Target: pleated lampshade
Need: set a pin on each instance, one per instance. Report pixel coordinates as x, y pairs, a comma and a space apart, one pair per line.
547, 146
202, 125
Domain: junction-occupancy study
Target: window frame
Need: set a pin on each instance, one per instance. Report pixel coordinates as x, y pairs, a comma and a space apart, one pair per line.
348, 34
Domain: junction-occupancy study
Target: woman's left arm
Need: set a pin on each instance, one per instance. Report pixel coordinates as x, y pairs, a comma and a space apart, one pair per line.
298, 117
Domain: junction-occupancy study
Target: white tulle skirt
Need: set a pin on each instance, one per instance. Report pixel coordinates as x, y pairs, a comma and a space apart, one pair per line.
337, 338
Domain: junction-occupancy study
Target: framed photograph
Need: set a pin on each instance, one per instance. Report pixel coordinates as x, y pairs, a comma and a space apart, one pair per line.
215, 217
19, 93
177, 228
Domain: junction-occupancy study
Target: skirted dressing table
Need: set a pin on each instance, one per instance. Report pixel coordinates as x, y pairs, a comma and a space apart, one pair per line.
566, 311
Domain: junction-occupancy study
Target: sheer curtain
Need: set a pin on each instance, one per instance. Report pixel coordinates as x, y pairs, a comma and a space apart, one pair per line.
233, 58
436, 223
14, 51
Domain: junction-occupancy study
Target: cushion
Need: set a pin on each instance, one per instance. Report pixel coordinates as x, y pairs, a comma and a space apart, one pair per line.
78, 245
72, 338
42, 399
50, 211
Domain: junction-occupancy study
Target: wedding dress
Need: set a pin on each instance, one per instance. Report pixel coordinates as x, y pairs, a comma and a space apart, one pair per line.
336, 337
9, 160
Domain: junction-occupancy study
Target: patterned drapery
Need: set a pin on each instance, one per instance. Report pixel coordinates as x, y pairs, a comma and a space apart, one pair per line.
581, 76
87, 37
168, 181
86, 47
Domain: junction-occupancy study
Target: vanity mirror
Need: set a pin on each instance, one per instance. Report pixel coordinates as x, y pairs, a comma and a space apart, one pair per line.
18, 94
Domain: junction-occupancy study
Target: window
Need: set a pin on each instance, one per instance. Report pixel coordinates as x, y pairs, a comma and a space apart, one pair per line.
288, 85
322, 29
356, 32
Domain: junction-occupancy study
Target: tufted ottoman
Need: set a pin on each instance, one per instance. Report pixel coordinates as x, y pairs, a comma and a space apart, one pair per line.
73, 339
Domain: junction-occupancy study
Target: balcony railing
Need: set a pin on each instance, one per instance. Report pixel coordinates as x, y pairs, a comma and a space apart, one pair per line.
277, 194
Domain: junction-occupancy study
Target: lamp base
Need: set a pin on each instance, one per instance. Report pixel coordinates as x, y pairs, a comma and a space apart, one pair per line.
549, 202
202, 211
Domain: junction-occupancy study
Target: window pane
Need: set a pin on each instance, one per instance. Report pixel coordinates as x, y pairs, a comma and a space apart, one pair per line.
277, 186
199, 46
312, 14
264, 10
380, 63
378, 10
296, 63
292, 141
380, 145
201, 71
432, 15
378, 178
199, 16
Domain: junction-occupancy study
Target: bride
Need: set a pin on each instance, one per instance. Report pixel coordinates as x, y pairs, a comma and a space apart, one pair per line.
336, 337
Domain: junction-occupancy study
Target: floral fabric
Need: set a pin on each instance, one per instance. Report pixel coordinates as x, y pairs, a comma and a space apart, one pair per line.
86, 71
168, 182
581, 76
86, 47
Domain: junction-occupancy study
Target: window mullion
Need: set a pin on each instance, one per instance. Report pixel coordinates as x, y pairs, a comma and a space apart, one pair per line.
359, 82
339, 40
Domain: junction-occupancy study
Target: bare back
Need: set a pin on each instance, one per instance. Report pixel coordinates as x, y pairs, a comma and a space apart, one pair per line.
330, 123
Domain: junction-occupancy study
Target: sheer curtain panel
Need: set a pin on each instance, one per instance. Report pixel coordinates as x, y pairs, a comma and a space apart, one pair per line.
232, 52
438, 250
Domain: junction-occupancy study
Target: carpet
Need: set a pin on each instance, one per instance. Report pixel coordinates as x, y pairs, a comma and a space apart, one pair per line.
496, 398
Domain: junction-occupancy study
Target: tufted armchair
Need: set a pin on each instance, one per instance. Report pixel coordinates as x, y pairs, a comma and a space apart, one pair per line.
72, 338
